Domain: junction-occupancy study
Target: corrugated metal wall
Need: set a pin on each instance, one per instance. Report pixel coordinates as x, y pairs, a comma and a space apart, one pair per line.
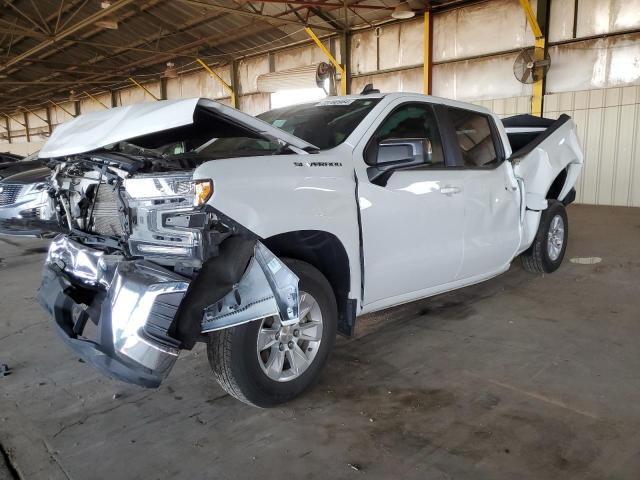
608, 123
506, 107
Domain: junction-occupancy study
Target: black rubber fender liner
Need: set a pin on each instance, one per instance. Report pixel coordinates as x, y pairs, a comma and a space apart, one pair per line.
216, 278
570, 197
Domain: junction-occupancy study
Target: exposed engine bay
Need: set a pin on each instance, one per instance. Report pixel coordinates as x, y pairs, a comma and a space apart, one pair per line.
114, 202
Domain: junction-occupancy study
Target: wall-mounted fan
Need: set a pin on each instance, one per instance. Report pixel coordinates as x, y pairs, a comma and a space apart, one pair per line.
529, 70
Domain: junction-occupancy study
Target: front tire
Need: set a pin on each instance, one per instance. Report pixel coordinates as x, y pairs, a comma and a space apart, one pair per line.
547, 251
263, 363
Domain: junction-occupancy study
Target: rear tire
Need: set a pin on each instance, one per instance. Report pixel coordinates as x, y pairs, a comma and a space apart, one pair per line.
547, 251
242, 369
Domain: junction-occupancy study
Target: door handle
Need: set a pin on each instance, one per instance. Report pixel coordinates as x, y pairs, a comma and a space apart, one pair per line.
449, 190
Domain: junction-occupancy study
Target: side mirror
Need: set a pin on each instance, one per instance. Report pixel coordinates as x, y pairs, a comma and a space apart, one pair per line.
398, 153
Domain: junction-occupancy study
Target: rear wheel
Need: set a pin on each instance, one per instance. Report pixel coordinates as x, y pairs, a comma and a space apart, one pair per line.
265, 363
547, 251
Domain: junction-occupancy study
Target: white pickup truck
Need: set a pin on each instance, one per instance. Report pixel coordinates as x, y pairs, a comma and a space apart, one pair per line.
188, 221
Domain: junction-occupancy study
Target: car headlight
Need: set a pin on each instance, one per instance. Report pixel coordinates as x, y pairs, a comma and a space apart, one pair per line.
196, 192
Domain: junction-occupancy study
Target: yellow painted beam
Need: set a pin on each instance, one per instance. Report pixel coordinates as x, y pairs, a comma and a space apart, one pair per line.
95, 99
427, 55
62, 108
143, 88
531, 18
538, 91
339, 68
217, 77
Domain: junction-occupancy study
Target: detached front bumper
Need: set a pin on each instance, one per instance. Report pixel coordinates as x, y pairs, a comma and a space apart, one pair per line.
114, 313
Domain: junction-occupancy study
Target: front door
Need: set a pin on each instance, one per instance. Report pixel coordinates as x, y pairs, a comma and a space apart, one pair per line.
413, 222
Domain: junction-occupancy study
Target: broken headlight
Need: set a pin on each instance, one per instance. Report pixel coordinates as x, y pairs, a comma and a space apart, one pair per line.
165, 225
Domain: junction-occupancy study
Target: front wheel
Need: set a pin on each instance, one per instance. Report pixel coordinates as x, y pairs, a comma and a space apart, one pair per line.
265, 363
547, 251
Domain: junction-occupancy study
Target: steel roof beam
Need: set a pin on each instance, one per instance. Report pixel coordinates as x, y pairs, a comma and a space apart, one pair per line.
65, 33
258, 16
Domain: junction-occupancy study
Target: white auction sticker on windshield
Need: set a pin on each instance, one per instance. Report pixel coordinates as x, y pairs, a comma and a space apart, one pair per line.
335, 101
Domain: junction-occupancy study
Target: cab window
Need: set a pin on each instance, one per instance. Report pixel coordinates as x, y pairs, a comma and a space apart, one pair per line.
475, 138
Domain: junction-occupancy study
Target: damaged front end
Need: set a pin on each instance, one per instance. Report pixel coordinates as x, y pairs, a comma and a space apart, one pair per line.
145, 266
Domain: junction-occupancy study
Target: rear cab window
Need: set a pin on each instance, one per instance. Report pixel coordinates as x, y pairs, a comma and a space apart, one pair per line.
476, 138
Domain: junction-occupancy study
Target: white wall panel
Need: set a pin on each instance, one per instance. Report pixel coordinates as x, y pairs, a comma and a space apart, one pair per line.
21, 148
605, 16
480, 29
506, 107
132, 95
248, 72
364, 52
599, 63
299, 57
58, 115
402, 81
255, 104
88, 104
561, 20
402, 45
483, 78
199, 84
608, 122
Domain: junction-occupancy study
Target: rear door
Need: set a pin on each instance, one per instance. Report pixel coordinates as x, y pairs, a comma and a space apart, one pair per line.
412, 224
491, 194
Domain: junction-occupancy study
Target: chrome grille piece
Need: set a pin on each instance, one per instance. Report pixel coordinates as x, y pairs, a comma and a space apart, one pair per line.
9, 193
106, 219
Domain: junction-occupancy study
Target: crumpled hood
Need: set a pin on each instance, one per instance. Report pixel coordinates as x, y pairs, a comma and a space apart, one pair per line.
95, 130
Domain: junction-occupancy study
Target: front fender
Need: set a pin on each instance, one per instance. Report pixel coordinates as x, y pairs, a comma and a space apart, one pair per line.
283, 193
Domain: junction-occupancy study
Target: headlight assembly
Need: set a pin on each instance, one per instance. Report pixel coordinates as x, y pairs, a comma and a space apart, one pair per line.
182, 187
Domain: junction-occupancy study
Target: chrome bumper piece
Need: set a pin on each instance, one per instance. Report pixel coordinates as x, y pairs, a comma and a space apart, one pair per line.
132, 303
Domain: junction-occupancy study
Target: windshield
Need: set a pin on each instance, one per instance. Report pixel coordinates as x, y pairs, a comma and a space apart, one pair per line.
325, 124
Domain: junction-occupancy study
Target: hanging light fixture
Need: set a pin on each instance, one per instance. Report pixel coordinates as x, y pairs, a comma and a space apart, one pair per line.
72, 96
403, 11
171, 71
108, 21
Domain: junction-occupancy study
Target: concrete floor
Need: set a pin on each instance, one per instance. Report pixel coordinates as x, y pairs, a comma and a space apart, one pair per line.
523, 376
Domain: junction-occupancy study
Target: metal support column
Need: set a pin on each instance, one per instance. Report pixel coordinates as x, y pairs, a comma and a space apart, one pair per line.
8, 127
428, 49
49, 126
26, 126
163, 88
